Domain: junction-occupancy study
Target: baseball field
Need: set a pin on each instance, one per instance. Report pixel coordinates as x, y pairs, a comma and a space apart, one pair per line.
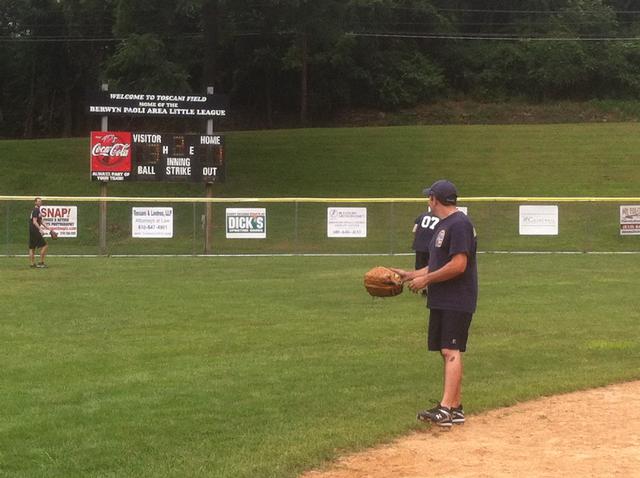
271, 366
246, 367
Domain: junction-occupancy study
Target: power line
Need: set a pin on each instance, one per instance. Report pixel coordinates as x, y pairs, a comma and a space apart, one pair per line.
371, 34
62, 38
59, 39
524, 12
486, 37
433, 8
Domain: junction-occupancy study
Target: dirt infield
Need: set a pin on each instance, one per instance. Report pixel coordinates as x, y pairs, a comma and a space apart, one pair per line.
595, 433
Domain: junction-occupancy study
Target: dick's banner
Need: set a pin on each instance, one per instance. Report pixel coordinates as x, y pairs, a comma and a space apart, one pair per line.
246, 223
124, 156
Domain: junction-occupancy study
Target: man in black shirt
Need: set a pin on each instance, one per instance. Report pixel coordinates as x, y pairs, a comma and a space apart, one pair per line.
451, 279
423, 228
36, 241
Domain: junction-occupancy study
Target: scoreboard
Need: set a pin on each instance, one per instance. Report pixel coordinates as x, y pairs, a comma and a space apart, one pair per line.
127, 156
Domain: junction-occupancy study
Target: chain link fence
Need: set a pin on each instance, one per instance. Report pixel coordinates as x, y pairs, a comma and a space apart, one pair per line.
303, 225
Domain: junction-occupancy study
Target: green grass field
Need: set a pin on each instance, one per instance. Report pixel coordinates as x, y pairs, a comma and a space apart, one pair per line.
264, 367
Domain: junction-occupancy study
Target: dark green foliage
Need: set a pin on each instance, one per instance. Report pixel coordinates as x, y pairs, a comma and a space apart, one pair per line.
140, 64
309, 59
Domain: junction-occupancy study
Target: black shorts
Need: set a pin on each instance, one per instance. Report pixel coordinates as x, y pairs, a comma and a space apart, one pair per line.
35, 239
448, 329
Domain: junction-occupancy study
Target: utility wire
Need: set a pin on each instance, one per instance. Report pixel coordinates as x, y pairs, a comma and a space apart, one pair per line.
59, 39
62, 38
487, 37
371, 34
523, 12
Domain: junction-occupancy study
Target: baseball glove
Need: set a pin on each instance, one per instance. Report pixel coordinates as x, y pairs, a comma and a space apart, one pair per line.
54, 234
382, 282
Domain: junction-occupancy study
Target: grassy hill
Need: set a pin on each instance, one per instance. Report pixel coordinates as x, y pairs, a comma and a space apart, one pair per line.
536, 160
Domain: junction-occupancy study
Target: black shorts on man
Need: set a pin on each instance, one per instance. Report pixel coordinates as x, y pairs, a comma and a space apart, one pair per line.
35, 238
448, 329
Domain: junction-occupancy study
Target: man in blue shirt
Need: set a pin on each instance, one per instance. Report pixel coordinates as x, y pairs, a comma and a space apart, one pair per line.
423, 228
451, 279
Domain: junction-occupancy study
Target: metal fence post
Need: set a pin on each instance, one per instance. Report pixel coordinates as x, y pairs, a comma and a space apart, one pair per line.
208, 187
7, 226
295, 227
193, 231
391, 229
102, 230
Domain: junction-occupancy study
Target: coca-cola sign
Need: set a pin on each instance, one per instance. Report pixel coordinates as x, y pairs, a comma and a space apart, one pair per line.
110, 155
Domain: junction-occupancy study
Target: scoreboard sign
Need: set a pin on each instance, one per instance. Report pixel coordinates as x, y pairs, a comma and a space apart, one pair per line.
159, 105
157, 157
177, 157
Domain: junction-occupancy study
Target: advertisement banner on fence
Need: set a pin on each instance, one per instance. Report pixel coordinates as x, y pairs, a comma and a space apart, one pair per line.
346, 222
246, 223
152, 222
538, 220
63, 220
629, 220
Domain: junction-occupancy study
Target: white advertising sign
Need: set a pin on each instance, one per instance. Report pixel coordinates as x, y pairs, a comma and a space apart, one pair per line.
538, 220
346, 222
63, 220
463, 209
152, 222
629, 220
246, 223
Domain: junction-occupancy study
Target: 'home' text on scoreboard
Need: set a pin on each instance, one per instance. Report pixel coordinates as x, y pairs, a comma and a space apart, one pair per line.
125, 156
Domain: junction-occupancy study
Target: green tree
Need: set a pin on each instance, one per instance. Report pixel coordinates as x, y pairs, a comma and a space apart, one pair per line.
140, 64
151, 35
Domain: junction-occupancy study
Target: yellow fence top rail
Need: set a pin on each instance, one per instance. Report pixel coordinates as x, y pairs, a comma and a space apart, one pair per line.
314, 199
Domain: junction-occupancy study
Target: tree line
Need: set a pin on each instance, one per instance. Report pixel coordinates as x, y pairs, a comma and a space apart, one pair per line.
309, 58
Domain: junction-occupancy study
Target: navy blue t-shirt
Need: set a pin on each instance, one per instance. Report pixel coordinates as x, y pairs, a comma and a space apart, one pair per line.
35, 213
454, 235
426, 224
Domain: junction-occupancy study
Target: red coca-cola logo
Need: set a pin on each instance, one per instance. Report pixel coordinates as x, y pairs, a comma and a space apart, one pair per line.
111, 151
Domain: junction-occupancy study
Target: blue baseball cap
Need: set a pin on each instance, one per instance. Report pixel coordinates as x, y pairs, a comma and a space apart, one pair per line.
444, 191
